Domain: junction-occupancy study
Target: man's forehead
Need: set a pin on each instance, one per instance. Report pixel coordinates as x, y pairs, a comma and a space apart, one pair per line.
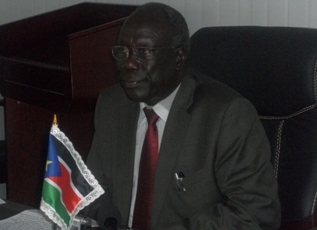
140, 30
145, 30
155, 20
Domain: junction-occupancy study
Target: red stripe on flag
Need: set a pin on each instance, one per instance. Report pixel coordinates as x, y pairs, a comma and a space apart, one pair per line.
69, 196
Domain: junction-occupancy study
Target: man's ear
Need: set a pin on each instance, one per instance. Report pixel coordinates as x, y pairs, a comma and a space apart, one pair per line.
181, 57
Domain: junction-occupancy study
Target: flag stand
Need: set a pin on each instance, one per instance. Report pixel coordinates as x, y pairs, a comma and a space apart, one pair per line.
55, 227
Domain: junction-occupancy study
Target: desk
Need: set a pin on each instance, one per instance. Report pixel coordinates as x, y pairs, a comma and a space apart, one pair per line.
309, 223
10, 209
16, 216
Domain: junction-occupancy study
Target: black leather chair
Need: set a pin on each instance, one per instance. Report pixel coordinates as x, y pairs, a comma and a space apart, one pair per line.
275, 68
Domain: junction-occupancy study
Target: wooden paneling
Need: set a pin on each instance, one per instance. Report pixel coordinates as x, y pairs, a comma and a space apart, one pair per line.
53, 63
61, 60
27, 144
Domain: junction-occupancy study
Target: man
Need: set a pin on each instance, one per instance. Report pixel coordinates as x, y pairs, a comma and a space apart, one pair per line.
213, 169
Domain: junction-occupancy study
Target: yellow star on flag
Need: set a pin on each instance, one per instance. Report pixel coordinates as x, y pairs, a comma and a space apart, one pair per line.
47, 163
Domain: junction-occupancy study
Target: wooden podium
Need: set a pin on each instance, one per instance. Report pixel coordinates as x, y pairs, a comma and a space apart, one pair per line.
57, 62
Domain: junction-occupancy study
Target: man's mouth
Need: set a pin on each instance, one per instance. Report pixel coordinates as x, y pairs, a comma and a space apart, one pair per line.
131, 84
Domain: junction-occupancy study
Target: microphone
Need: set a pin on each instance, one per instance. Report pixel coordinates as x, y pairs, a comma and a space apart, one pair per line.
108, 217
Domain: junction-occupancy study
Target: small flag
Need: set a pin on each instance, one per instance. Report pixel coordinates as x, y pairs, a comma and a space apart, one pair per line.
68, 185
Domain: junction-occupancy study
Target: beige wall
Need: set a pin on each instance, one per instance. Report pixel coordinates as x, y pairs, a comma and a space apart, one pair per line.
199, 13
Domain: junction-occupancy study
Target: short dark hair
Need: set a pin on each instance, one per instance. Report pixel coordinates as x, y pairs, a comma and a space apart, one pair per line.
179, 26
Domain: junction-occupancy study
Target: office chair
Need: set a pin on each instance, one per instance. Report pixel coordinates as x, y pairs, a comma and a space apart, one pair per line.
275, 68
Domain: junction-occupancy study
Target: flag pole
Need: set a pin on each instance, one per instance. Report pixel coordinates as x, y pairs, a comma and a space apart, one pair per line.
55, 120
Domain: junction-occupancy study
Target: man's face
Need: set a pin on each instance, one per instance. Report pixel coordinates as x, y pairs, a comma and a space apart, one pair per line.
151, 80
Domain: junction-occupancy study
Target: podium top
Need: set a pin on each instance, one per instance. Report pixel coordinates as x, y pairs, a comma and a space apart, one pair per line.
61, 60
25, 34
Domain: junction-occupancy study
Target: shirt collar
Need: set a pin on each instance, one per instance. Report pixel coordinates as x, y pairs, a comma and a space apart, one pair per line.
163, 107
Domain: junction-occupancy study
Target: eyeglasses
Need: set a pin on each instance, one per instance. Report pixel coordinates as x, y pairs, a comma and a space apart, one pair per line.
141, 53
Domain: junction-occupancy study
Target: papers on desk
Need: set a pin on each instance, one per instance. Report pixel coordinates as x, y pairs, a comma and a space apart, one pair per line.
27, 220
2, 201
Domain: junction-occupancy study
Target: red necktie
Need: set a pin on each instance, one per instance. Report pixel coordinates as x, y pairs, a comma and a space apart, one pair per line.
149, 156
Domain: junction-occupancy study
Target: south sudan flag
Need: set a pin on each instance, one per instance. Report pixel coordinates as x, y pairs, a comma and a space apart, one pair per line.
68, 185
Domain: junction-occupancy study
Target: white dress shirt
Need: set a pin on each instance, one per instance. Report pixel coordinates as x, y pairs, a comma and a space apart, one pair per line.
162, 109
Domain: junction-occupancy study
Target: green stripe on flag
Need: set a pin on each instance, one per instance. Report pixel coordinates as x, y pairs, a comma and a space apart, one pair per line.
52, 196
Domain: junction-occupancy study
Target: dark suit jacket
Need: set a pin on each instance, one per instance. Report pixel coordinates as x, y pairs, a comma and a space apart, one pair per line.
212, 135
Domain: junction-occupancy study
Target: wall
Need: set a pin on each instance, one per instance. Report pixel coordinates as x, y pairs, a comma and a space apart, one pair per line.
199, 13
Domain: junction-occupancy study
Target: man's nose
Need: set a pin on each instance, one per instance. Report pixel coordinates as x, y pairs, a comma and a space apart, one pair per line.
131, 61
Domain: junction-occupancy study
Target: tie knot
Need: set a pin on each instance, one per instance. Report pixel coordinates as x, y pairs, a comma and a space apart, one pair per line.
151, 116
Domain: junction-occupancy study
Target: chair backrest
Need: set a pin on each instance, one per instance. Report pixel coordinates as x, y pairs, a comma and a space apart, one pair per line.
275, 68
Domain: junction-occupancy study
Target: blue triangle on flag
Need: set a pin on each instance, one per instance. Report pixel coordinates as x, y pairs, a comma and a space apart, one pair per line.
52, 164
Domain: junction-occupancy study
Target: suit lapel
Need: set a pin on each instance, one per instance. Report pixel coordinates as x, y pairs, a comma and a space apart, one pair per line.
125, 156
173, 136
